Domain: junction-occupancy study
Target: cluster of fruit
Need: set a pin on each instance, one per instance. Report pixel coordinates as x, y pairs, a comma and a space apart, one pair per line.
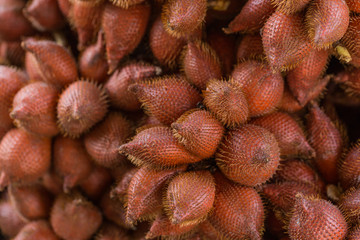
170, 126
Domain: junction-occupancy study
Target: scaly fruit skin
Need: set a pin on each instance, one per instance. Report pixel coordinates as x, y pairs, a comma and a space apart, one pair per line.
248, 155
285, 41
349, 168
81, 105
190, 197
96, 183
40, 230
199, 132
56, 64
183, 17
126, 3
327, 21
250, 47
290, 6
124, 29
238, 211
351, 40
353, 5
157, 147
328, 149
354, 233
349, 205
314, 218
166, 98
34, 109
252, 16
110, 231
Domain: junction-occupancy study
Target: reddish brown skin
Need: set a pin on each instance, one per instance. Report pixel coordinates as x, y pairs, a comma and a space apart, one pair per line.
32, 67
285, 41
351, 80
114, 210
145, 192
126, 3
24, 157
288, 133
351, 40
227, 101
199, 132
306, 76
157, 147
40, 230
92, 61
11, 53
49, 20
64, 6
248, 155
11, 81
238, 211
200, 64
163, 227
56, 64
124, 29
252, 16
167, 98
96, 183
165, 48
353, 5
224, 45
85, 16
119, 82
34, 109
16, 24
80, 106
183, 17
349, 205
282, 196
10, 221
71, 161
263, 88
349, 168
354, 233
288, 102
327, 142
327, 21
52, 182
103, 141
120, 189
208, 230
316, 219
250, 47
290, 6
73, 217
32, 201
110, 231
190, 197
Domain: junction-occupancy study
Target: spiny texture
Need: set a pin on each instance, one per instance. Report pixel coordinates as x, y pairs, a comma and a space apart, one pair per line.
238, 211
353, 233
349, 205
167, 98
120, 80
349, 168
165, 47
327, 142
285, 41
251, 17
23, 157
144, 195
80, 106
282, 196
327, 21
248, 155
39, 230
11, 81
32, 201
183, 17
262, 87
314, 218
103, 141
290, 6
126, 3
71, 161
227, 101
288, 133
199, 132
200, 64
163, 227
190, 197
353, 5
351, 40
34, 109
250, 47
56, 64
73, 217
85, 16
157, 147
124, 29
303, 78
50, 20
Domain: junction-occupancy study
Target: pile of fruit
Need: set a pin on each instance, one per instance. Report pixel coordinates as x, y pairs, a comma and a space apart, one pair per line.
179, 119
